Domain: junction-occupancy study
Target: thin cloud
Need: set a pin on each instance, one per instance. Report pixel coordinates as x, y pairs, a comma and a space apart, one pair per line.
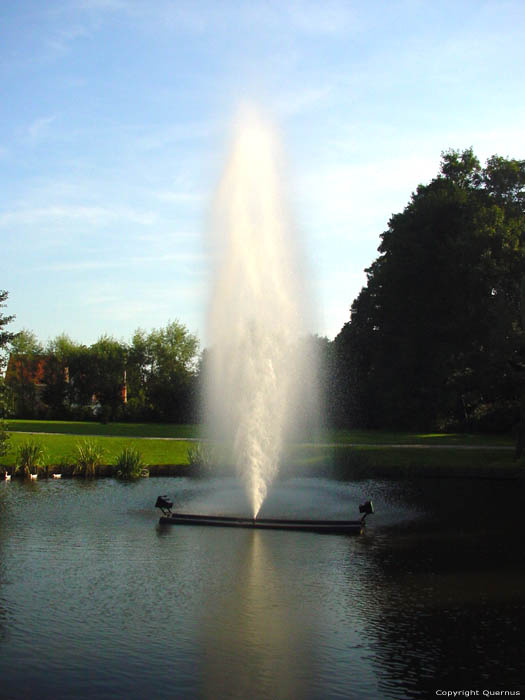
295, 102
193, 259
328, 17
354, 193
332, 17
105, 5
178, 196
91, 215
150, 306
154, 139
61, 41
40, 127
158, 239
121, 309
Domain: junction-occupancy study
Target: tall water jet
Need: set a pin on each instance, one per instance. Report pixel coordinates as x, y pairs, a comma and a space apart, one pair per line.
257, 361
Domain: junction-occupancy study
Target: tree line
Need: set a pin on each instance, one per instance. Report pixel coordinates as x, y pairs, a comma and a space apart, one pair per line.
153, 377
435, 339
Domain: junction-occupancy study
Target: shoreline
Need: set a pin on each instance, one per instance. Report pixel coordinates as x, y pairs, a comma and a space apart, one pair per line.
329, 470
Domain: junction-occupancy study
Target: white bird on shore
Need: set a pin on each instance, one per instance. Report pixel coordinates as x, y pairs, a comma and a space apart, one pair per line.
34, 476
7, 476
57, 476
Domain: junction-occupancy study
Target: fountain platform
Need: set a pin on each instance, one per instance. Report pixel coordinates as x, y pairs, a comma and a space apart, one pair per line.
350, 527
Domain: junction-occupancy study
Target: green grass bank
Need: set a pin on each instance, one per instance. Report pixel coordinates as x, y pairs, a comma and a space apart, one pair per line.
193, 431
338, 454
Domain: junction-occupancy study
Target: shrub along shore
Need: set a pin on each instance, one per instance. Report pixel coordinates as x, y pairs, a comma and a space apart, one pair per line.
164, 451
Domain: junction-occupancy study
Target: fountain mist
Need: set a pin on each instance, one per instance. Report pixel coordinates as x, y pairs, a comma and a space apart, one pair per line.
256, 362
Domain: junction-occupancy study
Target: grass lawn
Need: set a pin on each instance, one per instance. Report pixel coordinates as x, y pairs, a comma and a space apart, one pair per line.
359, 454
168, 430
382, 461
160, 430
62, 448
384, 437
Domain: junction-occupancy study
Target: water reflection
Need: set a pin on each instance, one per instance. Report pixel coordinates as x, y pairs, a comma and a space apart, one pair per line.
3, 570
448, 608
99, 601
253, 641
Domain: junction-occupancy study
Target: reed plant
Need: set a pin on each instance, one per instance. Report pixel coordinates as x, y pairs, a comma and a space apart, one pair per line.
30, 460
129, 464
65, 466
201, 457
88, 457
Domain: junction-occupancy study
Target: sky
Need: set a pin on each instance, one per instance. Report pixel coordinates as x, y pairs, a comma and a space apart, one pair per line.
115, 119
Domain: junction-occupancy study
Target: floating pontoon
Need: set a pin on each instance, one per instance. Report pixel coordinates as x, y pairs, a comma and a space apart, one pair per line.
351, 527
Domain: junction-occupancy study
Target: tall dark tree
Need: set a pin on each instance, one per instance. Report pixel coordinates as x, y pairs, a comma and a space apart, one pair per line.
430, 336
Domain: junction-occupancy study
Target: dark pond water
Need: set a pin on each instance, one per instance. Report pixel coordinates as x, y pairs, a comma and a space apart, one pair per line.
98, 601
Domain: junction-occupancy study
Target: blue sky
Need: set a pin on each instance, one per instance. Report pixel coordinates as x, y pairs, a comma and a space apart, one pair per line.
115, 117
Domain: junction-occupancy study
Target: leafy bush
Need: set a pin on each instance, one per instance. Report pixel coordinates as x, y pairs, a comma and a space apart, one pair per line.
88, 458
30, 459
129, 464
4, 437
6, 406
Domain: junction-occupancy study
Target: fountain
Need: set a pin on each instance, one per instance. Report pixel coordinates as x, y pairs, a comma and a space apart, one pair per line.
257, 362
255, 316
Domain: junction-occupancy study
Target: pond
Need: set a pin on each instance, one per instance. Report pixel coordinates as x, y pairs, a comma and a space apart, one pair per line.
99, 601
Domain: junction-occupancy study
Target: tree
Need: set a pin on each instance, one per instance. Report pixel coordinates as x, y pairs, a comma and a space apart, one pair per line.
518, 364
108, 375
430, 336
25, 342
6, 337
78, 374
57, 388
79, 391
25, 372
162, 371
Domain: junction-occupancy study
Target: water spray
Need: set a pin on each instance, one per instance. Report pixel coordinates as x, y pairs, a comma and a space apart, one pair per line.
255, 317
